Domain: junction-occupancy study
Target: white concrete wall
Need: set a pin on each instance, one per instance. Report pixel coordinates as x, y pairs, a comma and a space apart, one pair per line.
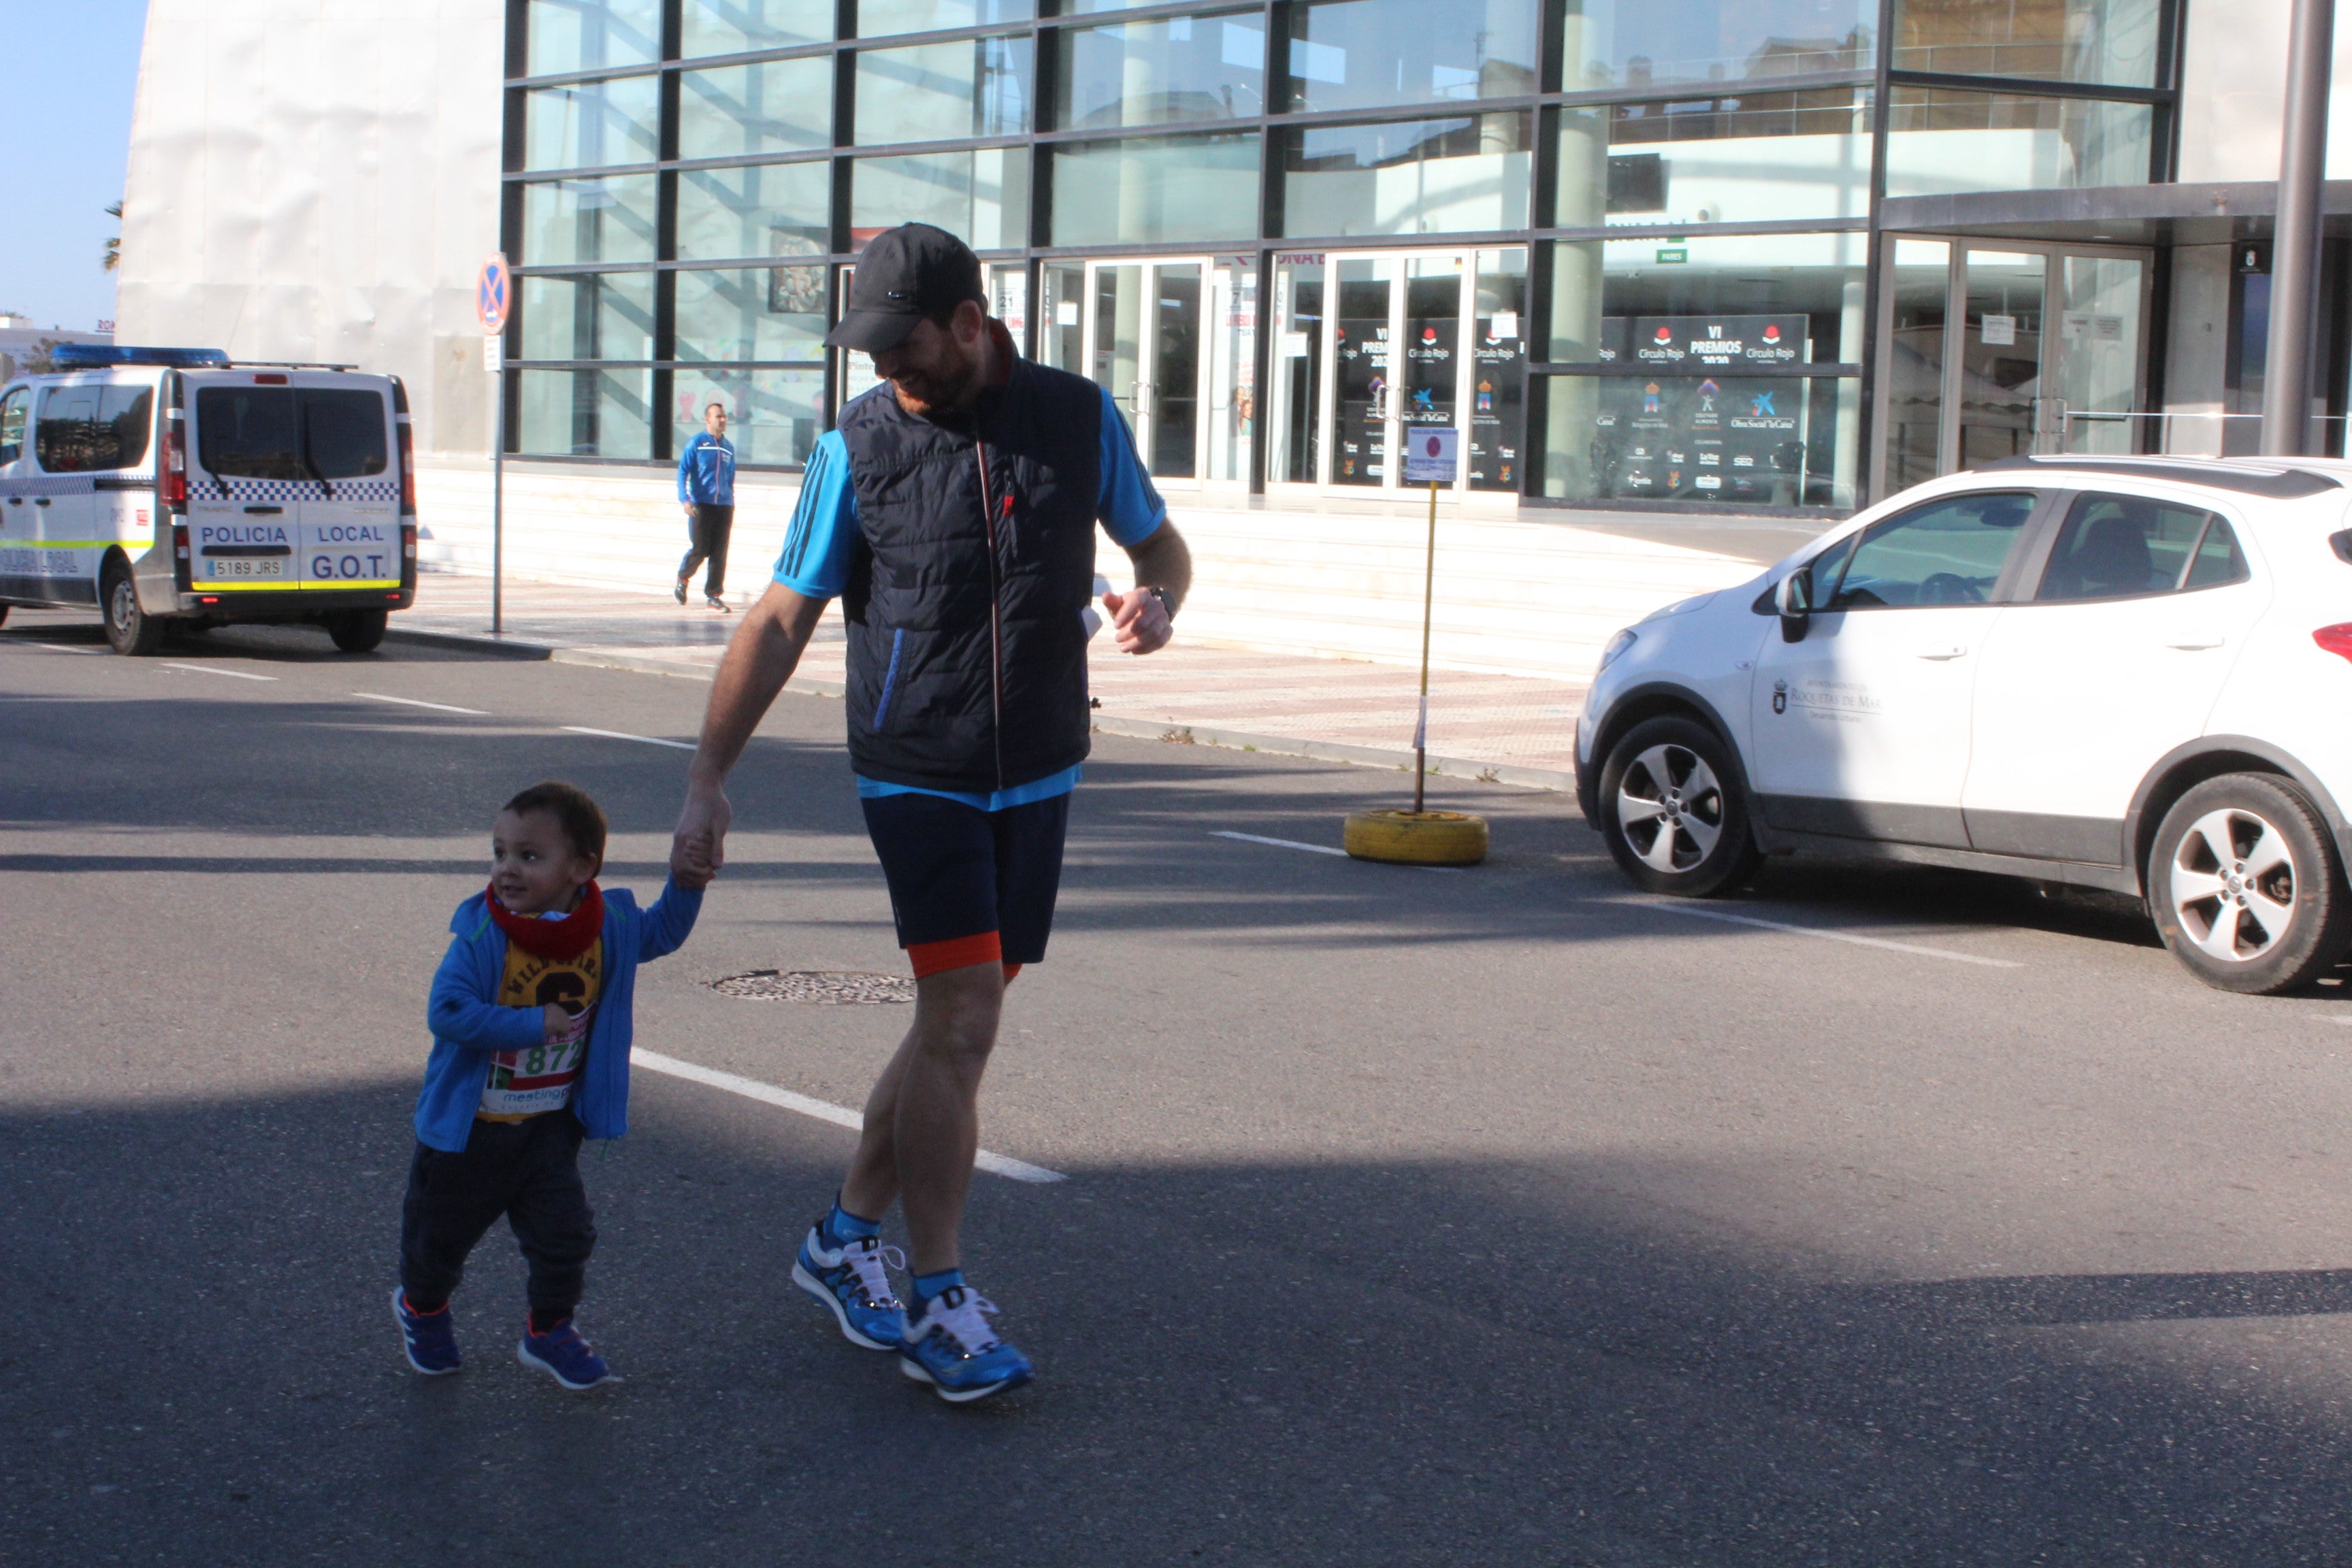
2233, 84
319, 180
1519, 597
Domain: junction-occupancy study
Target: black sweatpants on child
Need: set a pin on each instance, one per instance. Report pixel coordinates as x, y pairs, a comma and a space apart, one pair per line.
526, 1170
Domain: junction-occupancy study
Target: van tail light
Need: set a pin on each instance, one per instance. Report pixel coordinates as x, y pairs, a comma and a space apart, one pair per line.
2337, 639
408, 542
180, 541
182, 569
176, 471
408, 475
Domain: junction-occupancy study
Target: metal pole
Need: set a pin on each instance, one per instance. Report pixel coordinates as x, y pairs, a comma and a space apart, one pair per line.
499, 505
2295, 253
1428, 603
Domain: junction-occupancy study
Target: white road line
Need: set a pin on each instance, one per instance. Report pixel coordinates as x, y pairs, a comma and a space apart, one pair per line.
1279, 843
61, 648
2337, 1017
823, 1109
1913, 948
617, 735
216, 670
413, 702
1310, 848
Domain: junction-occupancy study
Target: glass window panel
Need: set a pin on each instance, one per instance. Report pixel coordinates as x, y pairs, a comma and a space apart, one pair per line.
943, 92
1008, 298
761, 313
1420, 176
1758, 157
1698, 430
1294, 400
589, 35
585, 413
593, 123
1498, 384
880, 18
2094, 358
606, 219
1357, 54
2218, 560
1946, 552
2111, 41
1160, 73
2001, 354
1186, 189
2122, 547
1061, 319
1230, 327
777, 106
1940, 142
1915, 397
1638, 43
774, 416
738, 27
600, 315
981, 198
762, 209
856, 376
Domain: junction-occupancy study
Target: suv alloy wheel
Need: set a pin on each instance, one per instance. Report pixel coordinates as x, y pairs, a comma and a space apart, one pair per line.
1671, 813
129, 629
2245, 886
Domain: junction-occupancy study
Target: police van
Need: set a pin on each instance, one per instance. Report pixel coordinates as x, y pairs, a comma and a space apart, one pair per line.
167, 485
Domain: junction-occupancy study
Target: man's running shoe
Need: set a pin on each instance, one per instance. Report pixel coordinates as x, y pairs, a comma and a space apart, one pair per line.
853, 1280
564, 1355
429, 1338
952, 1345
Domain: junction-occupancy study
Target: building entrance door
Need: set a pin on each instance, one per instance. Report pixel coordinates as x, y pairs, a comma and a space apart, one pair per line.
1369, 346
1994, 350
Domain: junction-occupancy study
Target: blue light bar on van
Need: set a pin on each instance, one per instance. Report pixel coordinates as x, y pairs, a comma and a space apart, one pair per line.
97, 356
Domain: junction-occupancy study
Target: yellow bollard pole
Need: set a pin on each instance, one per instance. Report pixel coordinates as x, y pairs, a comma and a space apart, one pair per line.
1428, 610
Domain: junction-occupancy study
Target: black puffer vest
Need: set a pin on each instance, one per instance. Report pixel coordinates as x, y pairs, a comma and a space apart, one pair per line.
967, 654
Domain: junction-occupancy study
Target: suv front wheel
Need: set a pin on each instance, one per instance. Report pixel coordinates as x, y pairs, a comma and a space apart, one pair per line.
2246, 887
1671, 813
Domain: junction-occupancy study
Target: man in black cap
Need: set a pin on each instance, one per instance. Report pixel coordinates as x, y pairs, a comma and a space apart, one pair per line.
952, 512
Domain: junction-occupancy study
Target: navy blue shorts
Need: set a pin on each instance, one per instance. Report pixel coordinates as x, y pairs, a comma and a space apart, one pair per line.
968, 886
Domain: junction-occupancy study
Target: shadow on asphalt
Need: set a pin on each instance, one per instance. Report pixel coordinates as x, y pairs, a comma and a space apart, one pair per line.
1338, 1363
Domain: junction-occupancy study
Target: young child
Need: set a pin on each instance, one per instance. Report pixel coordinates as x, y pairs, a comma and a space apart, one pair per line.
530, 1018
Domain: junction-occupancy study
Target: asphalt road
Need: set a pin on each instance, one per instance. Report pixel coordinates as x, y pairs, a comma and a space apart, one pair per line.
1412, 1217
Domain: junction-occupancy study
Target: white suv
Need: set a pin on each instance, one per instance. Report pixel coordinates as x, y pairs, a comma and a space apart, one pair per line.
2128, 673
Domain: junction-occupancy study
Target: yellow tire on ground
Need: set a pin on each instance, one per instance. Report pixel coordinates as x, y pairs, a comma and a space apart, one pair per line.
1407, 838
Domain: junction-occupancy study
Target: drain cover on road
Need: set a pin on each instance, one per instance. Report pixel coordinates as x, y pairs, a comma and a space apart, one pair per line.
827, 987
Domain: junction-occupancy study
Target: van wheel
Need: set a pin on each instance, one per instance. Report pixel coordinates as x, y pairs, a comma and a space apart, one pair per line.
2245, 886
357, 631
130, 629
1671, 813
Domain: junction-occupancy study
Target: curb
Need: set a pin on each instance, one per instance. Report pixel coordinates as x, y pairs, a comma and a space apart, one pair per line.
1440, 765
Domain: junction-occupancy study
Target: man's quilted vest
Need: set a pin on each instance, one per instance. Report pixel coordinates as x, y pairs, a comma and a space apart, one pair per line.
967, 653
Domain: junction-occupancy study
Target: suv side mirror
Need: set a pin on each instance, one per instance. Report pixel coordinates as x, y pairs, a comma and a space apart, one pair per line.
1794, 599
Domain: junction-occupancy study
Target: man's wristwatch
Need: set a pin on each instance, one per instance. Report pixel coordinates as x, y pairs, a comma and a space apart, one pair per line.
1167, 600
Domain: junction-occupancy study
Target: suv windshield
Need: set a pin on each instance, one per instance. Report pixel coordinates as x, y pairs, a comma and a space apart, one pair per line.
291, 433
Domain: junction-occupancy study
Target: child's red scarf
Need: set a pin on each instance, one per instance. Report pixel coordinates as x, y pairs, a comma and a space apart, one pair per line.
561, 939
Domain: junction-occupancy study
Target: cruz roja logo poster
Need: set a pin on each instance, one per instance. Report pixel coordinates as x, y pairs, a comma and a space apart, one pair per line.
1695, 429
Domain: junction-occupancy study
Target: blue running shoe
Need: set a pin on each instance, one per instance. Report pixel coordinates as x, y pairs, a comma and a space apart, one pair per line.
429, 1338
562, 1354
953, 1346
854, 1281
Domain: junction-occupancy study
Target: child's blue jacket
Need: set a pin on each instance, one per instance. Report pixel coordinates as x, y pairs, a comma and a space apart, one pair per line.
469, 1025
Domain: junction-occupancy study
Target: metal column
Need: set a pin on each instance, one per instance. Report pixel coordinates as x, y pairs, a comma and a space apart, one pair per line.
2295, 256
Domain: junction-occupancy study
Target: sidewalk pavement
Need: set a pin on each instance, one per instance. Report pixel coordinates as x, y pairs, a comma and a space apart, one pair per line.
1505, 729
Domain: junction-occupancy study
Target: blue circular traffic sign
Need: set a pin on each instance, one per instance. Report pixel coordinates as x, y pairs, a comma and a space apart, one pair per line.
494, 294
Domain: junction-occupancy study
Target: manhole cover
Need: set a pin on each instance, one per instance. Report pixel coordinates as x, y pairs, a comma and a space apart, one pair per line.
827, 987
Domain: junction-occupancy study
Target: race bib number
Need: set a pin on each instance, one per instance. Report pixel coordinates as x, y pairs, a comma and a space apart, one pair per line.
526, 1083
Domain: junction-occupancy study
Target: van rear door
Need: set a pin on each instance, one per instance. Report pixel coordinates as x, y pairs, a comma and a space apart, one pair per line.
350, 507
245, 470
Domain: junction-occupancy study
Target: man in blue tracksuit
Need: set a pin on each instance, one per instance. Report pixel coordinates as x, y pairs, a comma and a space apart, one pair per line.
705, 489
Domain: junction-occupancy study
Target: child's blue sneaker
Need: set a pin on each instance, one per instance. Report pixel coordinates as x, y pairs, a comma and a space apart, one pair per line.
854, 1280
429, 1338
952, 1345
561, 1353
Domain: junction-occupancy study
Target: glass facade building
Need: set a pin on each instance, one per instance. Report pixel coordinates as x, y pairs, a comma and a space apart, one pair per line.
1641, 253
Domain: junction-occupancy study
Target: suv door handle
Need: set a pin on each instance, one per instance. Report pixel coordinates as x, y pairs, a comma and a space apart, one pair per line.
1943, 650
2196, 642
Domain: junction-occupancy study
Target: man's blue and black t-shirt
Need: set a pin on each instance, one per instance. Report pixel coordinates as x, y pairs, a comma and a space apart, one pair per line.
821, 550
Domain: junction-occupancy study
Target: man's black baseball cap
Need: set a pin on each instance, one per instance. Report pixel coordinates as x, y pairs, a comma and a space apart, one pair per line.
907, 274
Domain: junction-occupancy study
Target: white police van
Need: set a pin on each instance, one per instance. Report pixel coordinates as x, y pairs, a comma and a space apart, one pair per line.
162, 485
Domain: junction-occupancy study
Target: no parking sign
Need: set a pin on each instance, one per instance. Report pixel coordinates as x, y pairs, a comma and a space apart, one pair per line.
1430, 451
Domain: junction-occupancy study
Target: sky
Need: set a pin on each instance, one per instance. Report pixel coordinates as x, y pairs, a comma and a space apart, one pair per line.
73, 67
